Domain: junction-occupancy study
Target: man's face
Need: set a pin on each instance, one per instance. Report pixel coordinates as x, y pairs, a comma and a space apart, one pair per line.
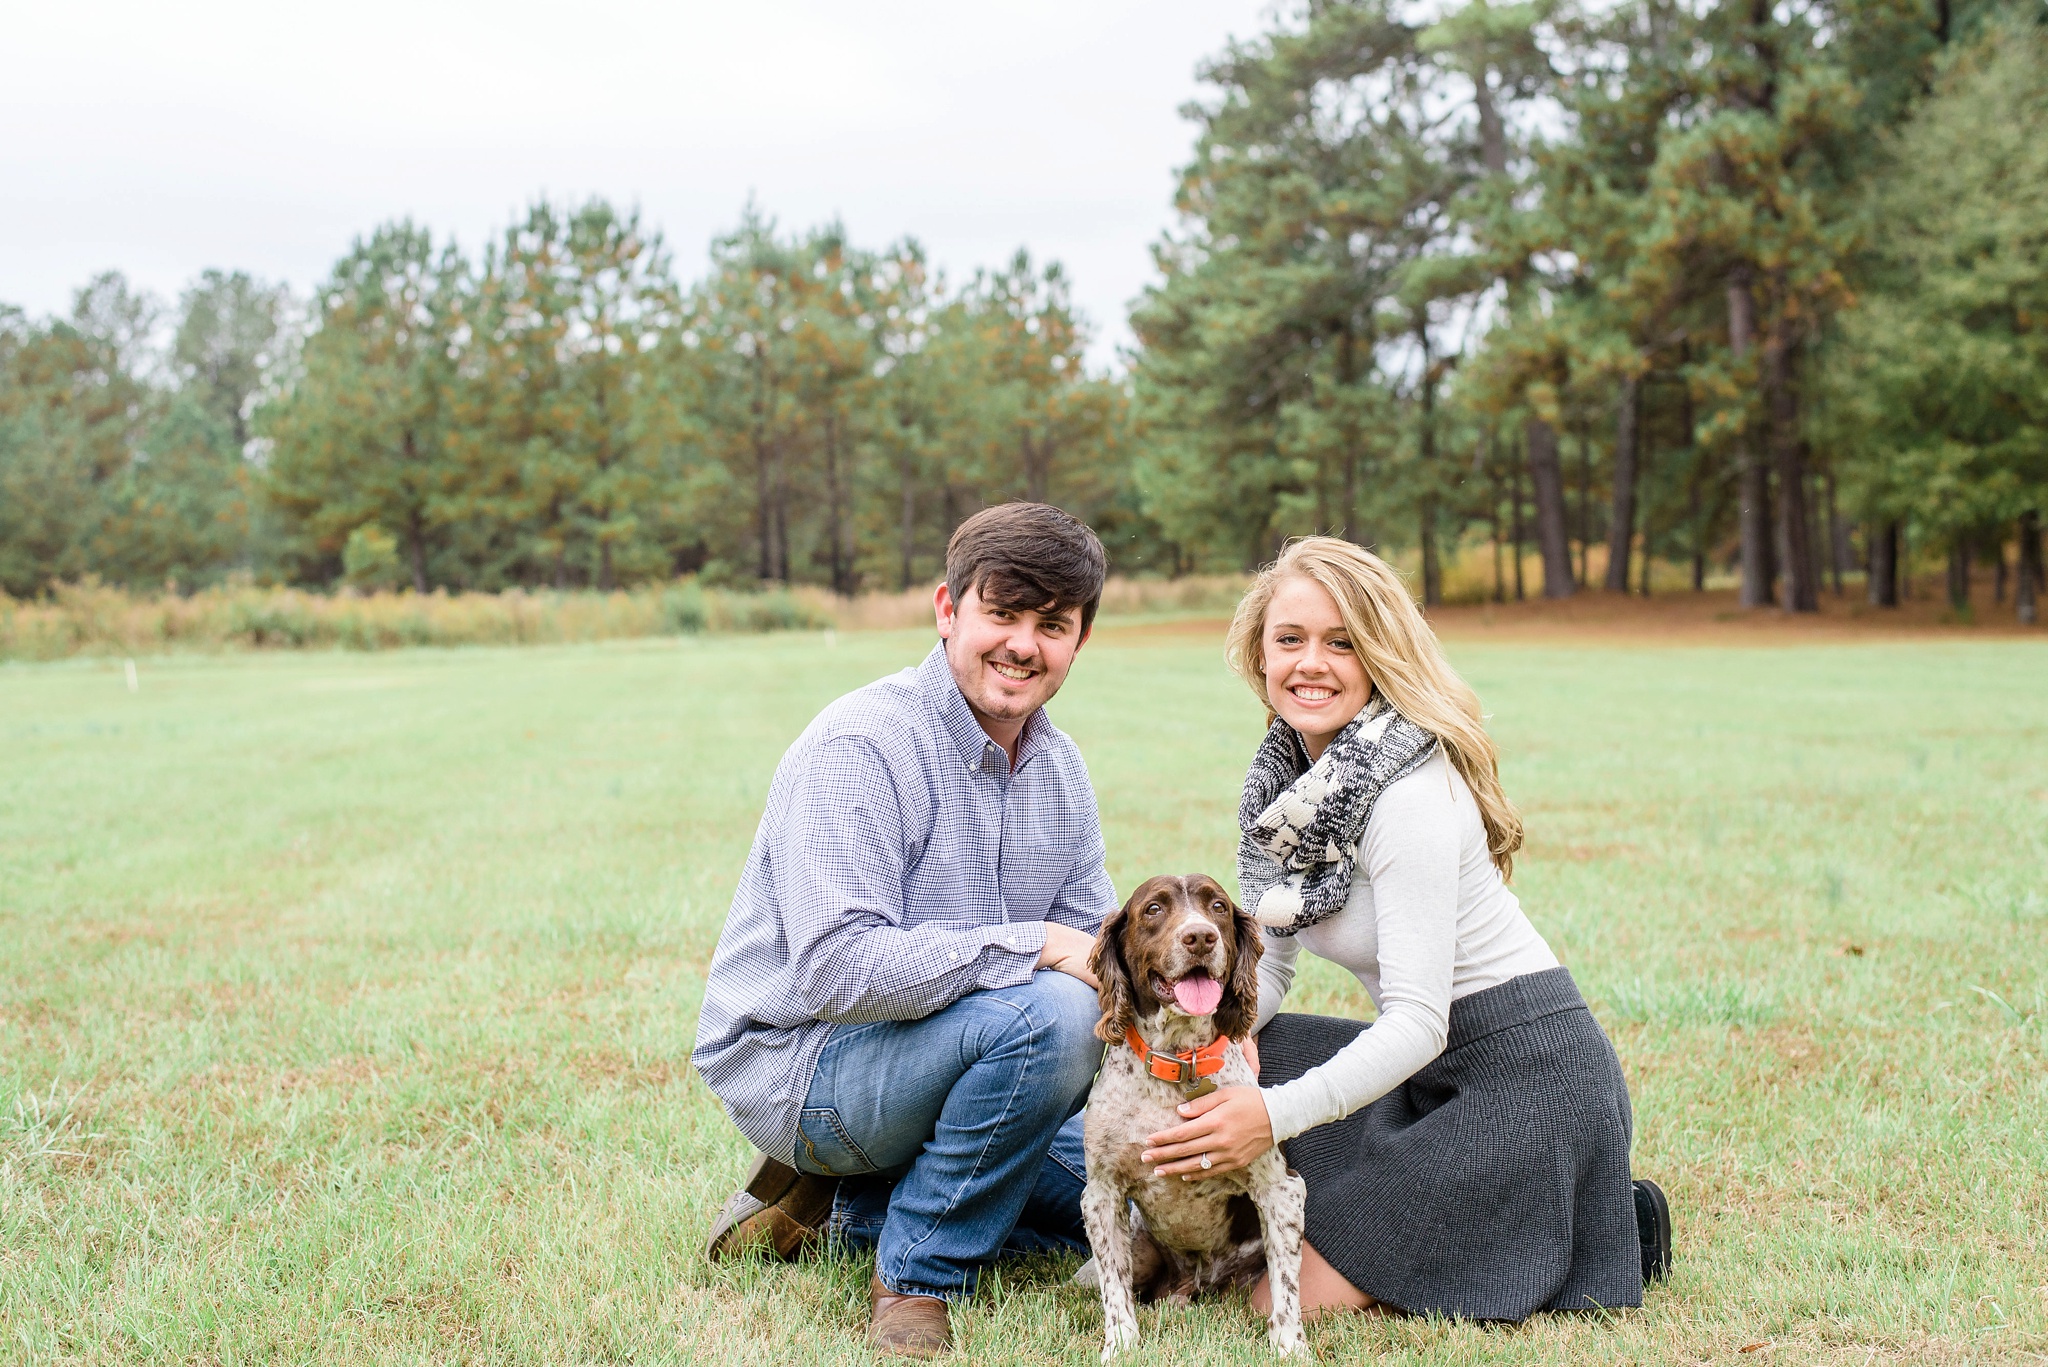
1008, 661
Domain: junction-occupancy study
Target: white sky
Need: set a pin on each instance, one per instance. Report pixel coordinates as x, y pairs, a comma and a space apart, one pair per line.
160, 139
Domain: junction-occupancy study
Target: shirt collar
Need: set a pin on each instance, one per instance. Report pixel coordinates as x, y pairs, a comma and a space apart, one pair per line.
935, 680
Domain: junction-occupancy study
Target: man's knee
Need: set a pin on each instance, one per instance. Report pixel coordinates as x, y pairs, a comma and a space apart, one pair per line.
1064, 1012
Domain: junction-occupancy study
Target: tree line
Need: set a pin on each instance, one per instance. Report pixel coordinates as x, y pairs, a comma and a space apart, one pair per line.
558, 412
1752, 288
1747, 283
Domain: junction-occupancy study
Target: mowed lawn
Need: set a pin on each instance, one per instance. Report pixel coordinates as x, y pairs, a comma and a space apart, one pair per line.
346, 1000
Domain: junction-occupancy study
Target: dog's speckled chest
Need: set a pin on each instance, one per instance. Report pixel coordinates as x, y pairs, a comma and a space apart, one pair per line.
1127, 1105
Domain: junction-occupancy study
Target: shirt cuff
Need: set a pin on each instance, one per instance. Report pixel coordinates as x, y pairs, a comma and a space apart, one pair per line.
1289, 1109
1008, 954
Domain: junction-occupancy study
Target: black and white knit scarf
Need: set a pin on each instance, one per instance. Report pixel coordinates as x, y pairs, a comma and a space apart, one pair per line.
1301, 829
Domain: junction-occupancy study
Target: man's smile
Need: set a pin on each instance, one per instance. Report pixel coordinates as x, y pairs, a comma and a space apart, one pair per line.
1014, 673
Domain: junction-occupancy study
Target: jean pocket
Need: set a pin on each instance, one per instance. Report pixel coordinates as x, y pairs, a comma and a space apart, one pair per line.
827, 1148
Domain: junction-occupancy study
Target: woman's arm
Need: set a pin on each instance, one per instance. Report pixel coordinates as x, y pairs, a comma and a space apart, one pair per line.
1410, 855
1276, 974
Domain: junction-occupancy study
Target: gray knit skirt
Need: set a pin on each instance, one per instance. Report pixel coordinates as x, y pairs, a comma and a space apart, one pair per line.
1492, 1184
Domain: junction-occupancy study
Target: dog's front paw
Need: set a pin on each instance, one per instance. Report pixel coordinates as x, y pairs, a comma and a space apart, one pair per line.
1116, 1338
1286, 1342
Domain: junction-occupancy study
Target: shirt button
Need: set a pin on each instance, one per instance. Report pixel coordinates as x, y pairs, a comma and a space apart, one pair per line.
953, 956
1009, 939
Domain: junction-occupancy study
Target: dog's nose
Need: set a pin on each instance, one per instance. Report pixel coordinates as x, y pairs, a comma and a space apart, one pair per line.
1198, 939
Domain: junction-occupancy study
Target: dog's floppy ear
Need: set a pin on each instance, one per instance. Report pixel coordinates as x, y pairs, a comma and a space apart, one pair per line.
1240, 1006
1106, 962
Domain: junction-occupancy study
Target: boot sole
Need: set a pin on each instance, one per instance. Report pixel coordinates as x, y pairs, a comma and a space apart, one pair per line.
1656, 1250
783, 1213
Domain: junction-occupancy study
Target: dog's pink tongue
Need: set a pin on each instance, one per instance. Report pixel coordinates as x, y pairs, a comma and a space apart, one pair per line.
1198, 994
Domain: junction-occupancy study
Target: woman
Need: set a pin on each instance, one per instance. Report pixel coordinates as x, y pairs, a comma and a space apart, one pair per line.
1468, 1153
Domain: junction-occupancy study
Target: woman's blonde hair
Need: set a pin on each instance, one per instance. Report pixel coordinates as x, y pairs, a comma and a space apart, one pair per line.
1401, 657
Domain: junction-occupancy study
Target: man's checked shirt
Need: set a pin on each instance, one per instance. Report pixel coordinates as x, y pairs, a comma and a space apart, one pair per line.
900, 865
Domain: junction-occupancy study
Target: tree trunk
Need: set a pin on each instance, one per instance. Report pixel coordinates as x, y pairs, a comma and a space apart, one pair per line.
1798, 591
1432, 564
1546, 483
2028, 583
1585, 508
1838, 535
1515, 497
1696, 500
764, 477
1755, 510
781, 487
1998, 570
1500, 583
1432, 567
1347, 375
835, 510
1959, 574
1883, 549
415, 524
1621, 523
909, 526
1816, 529
416, 549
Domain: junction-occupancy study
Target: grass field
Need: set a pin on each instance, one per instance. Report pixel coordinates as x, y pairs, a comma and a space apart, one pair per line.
346, 1000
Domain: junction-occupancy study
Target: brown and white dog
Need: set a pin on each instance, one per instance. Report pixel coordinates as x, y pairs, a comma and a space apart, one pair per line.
1179, 972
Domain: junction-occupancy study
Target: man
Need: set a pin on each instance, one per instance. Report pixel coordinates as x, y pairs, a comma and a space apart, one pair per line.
899, 1014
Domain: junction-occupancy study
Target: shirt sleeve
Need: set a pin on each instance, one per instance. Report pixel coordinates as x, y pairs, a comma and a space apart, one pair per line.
1410, 856
838, 862
1087, 898
1276, 975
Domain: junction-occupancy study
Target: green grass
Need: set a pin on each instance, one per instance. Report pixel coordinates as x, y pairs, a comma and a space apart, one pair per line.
346, 1001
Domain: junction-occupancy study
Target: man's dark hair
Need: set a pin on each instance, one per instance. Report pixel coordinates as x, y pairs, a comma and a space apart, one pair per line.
1028, 557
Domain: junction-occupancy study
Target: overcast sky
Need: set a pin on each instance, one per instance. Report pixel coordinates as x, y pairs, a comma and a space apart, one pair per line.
161, 139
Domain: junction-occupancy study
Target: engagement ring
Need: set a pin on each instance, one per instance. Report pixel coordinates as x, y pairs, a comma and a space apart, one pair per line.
1205, 1161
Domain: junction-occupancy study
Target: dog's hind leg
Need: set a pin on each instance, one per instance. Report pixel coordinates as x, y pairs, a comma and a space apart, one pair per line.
1104, 1211
1283, 1203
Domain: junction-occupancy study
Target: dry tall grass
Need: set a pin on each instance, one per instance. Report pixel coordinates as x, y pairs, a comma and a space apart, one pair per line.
92, 618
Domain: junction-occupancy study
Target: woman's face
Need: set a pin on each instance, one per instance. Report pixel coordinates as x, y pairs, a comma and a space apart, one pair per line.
1314, 678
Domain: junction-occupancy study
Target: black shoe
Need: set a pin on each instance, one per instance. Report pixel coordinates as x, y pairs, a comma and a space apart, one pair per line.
1653, 1228
778, 1210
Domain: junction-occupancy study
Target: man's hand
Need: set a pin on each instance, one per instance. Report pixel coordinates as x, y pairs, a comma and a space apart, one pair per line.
1231, 1127
1066, 951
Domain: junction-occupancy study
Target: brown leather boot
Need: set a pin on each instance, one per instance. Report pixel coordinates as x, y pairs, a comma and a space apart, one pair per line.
778, 1210
907, 1326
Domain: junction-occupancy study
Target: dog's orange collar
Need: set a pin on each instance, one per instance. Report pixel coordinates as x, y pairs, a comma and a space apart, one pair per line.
1184, 1070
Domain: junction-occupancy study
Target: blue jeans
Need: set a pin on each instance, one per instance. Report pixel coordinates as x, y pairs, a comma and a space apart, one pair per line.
957, 1134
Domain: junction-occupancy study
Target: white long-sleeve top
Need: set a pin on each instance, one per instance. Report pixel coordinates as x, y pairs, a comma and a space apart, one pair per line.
1428, 921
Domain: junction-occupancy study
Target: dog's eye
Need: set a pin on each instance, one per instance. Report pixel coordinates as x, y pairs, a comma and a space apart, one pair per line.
1152, 910
1215, 906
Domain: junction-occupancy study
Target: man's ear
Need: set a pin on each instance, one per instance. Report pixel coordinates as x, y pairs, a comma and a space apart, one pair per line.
1240, 1007
944, 609
1106, 962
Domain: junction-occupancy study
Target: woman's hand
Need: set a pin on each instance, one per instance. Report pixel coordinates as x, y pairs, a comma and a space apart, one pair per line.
1251, 1052
1230, 1126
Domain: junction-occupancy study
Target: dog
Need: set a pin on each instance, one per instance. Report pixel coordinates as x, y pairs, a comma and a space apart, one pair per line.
1178, 968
